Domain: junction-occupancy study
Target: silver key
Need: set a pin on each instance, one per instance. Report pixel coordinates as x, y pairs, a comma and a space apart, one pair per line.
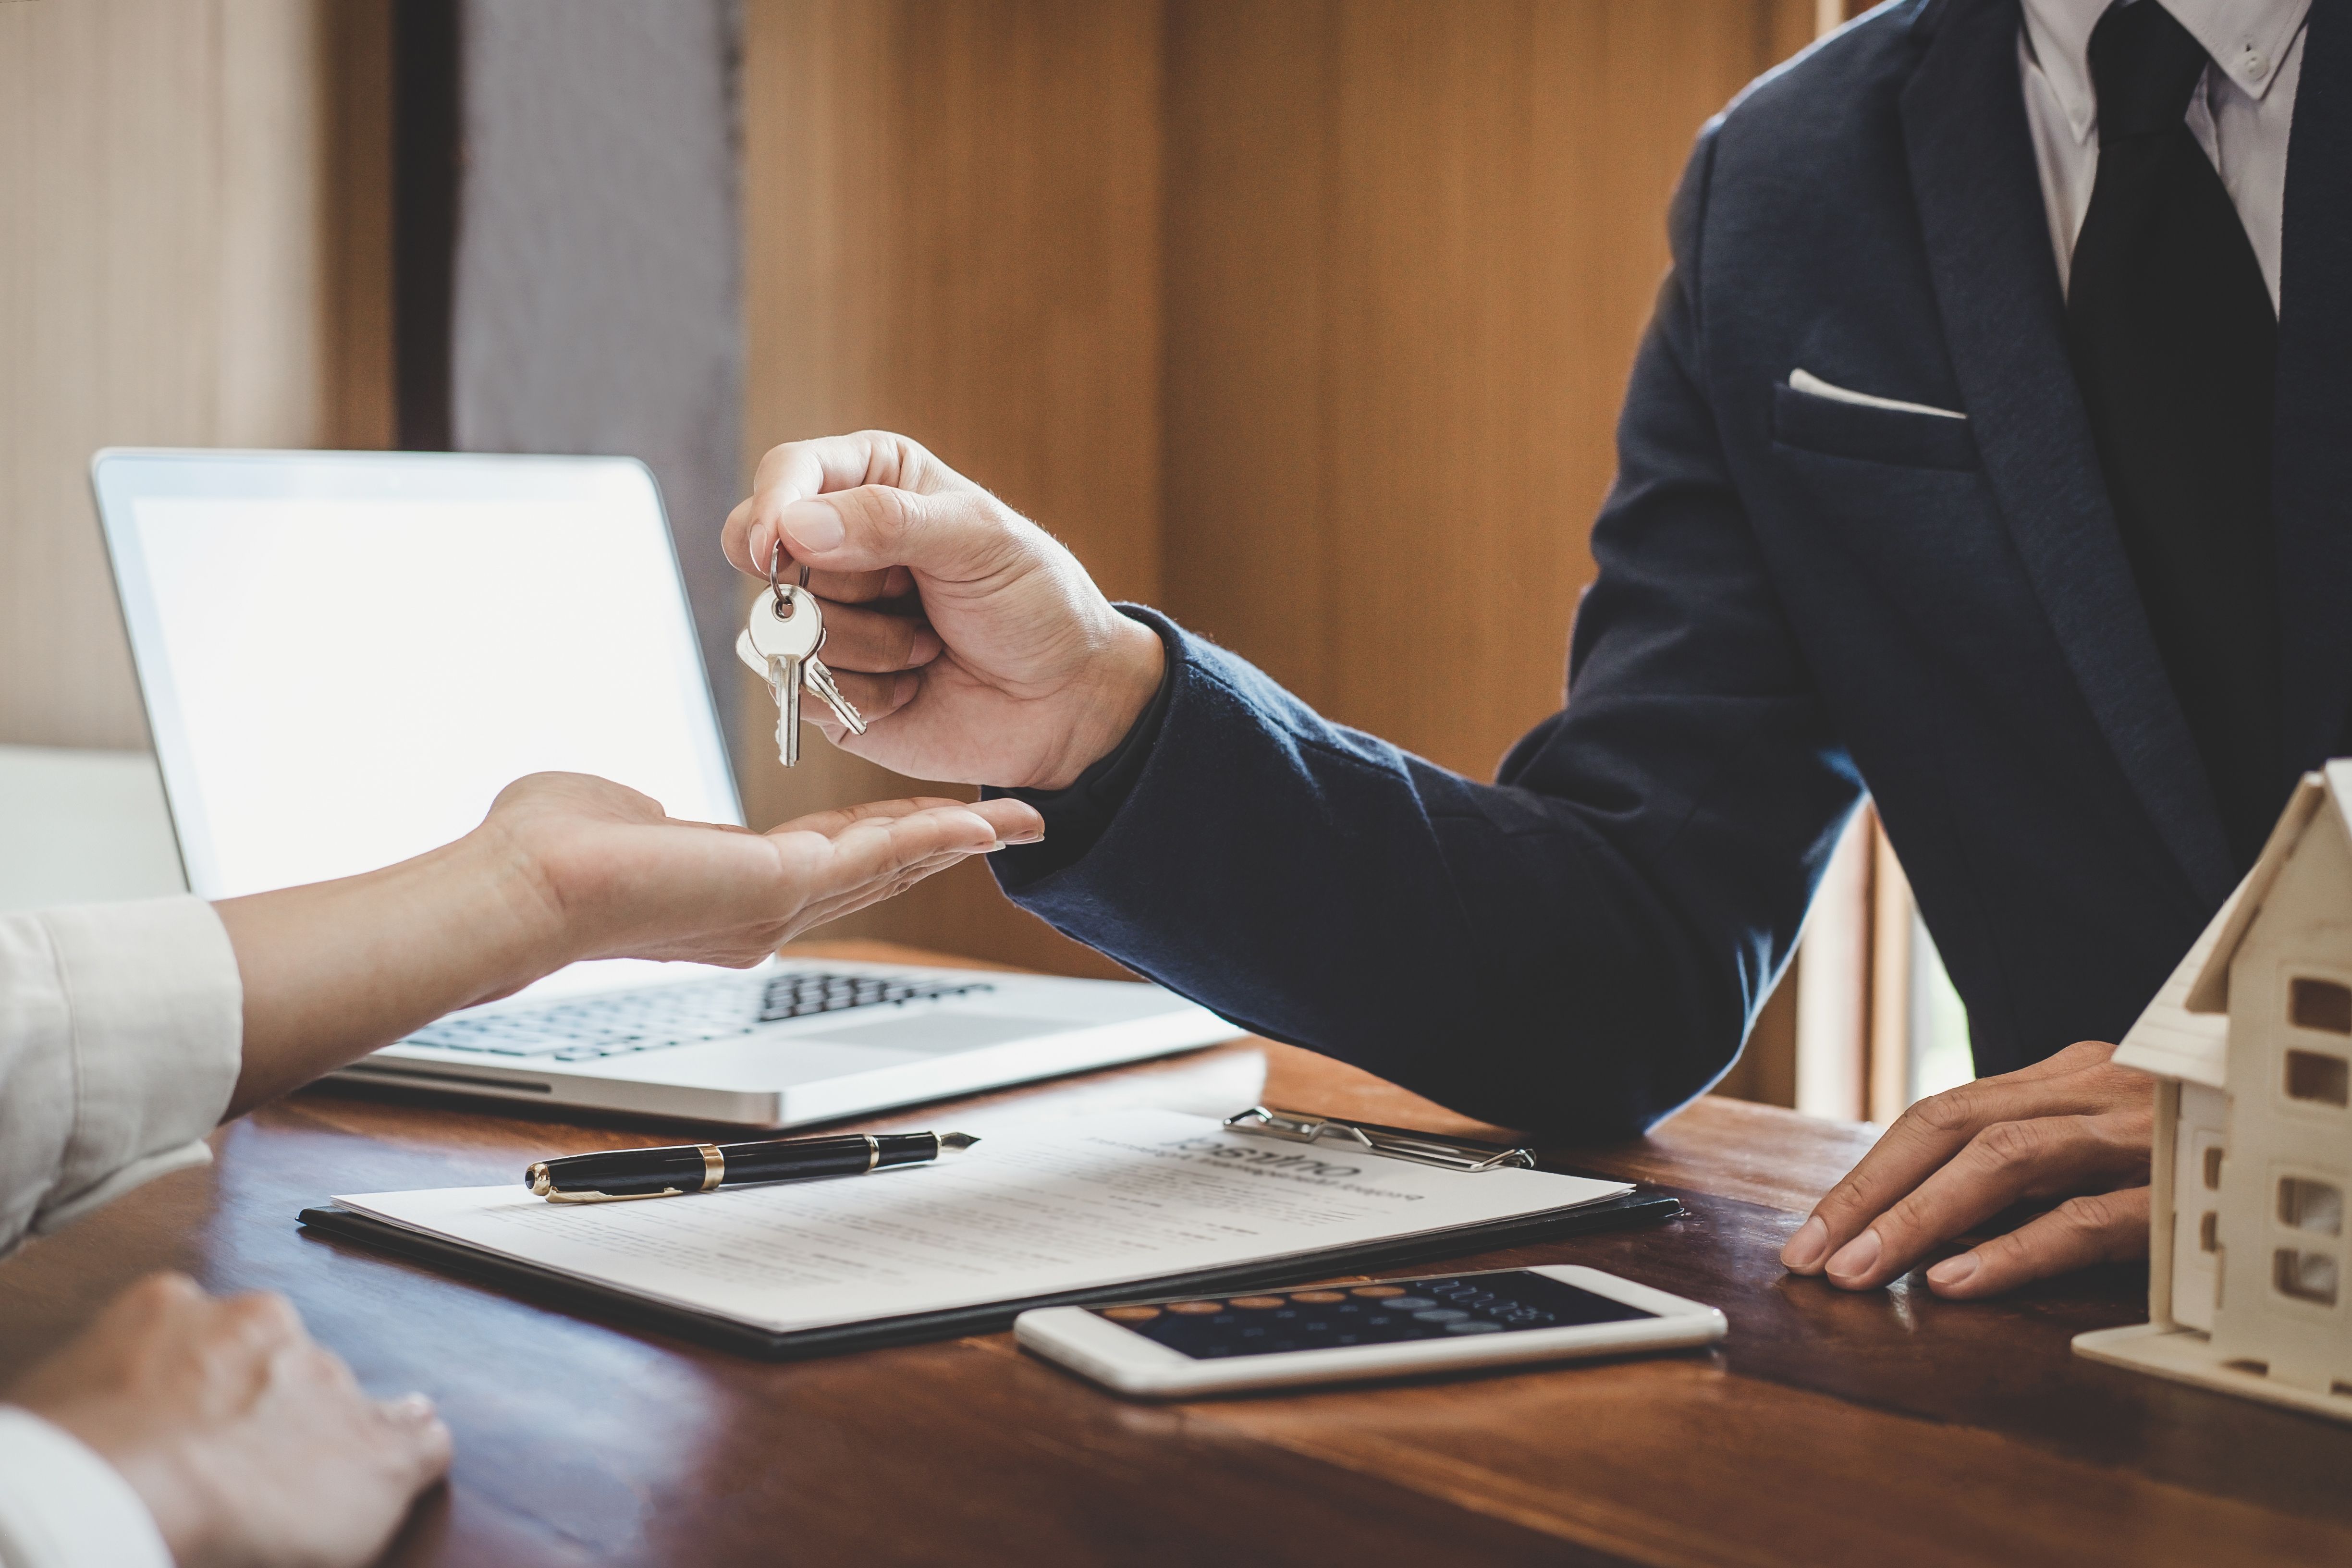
786, 631
819, 679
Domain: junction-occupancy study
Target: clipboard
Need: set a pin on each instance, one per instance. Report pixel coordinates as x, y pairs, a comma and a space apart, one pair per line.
566, 1292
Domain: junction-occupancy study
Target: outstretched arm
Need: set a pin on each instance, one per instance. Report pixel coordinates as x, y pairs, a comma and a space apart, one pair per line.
566, 868
1578, 947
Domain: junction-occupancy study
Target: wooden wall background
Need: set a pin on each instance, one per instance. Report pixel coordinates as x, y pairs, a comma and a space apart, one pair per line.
193, 251
1307, 320
951, 227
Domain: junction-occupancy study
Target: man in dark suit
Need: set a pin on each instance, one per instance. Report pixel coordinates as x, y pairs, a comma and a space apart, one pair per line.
1967, 458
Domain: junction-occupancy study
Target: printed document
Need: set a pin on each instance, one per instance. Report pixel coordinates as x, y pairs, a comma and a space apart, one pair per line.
1029, 1211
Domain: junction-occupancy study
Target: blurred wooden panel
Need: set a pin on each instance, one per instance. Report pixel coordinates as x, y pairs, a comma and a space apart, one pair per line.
1412, 246
1310, 321
168, 275
1765, 1071
950, 218
355, 163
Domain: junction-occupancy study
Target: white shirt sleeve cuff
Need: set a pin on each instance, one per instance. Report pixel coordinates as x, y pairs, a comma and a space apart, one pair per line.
61, 1506
157, 1018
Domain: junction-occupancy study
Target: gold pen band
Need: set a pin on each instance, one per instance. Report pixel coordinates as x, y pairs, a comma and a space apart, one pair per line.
873, 1151
714, 1167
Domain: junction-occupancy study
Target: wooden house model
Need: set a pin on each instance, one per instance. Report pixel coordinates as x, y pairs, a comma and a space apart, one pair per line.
2251, 1040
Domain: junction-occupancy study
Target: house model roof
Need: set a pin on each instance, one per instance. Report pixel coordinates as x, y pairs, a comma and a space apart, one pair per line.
2185, 1032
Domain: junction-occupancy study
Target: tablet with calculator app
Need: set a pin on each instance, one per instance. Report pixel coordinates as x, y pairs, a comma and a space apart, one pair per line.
1344, 1332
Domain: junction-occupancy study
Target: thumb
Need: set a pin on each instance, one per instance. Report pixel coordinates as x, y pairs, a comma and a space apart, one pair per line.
956, 536
419, 1434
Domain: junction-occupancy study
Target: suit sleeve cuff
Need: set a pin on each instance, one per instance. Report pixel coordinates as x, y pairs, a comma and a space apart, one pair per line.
61, 1506
1075, 817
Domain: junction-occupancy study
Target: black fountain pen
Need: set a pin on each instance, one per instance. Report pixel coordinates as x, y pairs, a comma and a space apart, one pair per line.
682, 1168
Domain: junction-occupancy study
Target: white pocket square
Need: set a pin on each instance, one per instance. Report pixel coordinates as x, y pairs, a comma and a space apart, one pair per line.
1805, 381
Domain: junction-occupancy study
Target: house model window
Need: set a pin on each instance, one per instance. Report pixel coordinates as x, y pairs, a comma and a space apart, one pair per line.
2251, 1043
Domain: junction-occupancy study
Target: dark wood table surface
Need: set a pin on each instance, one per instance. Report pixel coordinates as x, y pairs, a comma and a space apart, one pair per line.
1828, 1428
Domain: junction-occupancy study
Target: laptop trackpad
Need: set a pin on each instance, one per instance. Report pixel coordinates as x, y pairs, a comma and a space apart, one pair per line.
940, 1034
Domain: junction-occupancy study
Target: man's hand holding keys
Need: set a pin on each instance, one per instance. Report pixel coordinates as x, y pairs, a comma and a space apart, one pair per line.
981, 651
976, 647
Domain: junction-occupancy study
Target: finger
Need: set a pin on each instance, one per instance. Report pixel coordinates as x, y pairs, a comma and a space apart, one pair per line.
877, 847
414, 1428
789, 473
263, 1319
860, 587
2000, 1166
799, 470
2076, 1057
961, 536
876, 642
832, 821
1016, 821
1923, 1138
167, 1291
2099, 1227
763, 560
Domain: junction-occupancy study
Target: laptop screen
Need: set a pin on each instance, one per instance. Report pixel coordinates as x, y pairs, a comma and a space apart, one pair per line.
346, 656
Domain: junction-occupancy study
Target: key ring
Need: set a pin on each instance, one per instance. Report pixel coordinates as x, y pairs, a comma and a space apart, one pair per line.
776, 558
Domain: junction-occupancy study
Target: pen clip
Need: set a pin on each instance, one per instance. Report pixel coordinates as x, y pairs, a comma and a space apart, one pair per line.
1467, 1155
555, 1197
542, 1180
542, 1186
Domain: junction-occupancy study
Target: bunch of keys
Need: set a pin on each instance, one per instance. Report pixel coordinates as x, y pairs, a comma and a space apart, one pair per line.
781, 646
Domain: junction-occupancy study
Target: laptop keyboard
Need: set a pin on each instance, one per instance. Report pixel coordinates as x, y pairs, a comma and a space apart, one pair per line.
654, 1020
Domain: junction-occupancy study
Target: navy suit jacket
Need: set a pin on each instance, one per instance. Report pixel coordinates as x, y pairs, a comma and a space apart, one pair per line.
1797, 598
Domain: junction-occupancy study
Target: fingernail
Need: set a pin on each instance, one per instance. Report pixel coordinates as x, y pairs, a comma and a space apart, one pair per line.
1954, 1271
813, 526
1034, 837
761, 544
414, 1408
1805, 1249
1859, 1255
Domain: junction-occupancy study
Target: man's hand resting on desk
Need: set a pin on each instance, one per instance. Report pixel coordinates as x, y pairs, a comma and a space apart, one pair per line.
2075, 1128
251, 1445
976, 647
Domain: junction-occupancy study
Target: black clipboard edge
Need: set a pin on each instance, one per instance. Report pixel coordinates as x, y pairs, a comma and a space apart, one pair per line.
549, 1286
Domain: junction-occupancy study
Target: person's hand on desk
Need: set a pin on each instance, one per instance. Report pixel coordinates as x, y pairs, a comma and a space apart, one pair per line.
250, 1445
975, 646
2075, 1128
566, 868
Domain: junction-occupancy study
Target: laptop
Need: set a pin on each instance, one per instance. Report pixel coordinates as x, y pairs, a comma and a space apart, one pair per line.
346, 655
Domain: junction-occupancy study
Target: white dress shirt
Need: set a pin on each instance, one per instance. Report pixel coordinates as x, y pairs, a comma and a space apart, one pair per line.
61, 1506
120, 1035
2239, 114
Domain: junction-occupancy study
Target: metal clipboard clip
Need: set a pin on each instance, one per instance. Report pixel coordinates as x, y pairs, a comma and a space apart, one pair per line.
1468, 1154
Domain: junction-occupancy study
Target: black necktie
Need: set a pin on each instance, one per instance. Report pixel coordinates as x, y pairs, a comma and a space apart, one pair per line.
2174, 342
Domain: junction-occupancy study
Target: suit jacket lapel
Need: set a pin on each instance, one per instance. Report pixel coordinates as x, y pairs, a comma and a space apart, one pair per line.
2311, 486
1988, 242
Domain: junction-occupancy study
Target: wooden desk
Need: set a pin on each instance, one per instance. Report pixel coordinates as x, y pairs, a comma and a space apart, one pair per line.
1829, 1429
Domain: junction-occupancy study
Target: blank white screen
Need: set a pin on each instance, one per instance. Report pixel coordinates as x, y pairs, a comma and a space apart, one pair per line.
339, 681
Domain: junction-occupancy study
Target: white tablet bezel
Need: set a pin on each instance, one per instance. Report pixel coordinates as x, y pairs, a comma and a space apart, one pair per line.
1119, 1359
